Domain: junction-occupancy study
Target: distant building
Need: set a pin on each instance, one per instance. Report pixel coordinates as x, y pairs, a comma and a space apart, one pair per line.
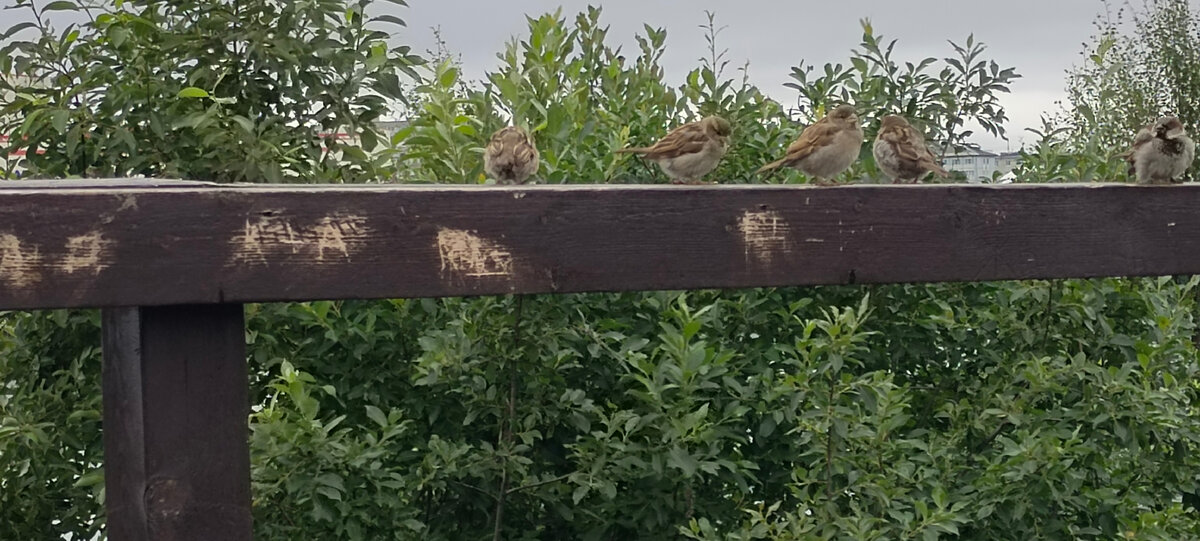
386, 128
390, 127
981, 165
1007, 161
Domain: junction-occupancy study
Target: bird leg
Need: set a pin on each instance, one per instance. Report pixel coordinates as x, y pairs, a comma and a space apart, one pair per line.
823, 182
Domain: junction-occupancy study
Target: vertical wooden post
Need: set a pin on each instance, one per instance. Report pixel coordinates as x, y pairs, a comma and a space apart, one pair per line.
176, 449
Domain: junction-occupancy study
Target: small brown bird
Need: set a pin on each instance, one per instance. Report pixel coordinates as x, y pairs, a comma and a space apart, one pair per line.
1162, 152
689, 151
826, 148
510, 156
901, 154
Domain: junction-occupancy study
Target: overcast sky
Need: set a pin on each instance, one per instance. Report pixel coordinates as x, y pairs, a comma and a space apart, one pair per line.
1041, 38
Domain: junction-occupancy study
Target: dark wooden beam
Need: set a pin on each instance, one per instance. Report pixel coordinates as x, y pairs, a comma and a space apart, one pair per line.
176, 453
211, 244
97, 183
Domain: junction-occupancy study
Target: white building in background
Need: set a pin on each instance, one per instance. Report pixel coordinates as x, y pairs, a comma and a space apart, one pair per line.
1006, 162
981, 165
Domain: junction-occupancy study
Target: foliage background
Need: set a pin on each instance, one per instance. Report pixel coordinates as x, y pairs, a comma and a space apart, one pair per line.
1015, 410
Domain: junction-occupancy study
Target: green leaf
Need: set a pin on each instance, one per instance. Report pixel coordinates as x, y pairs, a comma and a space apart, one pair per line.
579, 493
245, 123
59, 119
91, 478
330, 493
16, 28
448, 77
193, 92
61, 5
680, 459
73, 138
368, 140
376, 414
389, 19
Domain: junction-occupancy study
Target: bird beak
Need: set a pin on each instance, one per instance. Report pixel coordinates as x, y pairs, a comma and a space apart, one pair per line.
1176, 133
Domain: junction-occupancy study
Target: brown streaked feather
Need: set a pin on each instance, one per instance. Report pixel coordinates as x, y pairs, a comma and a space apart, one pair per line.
898, 137
908, 145
922, 155
510, 156
1144, 136
686, 139
812, 138
936, 167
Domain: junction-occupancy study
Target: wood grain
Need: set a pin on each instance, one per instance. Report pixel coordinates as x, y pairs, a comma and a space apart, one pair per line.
122, 245
176, 457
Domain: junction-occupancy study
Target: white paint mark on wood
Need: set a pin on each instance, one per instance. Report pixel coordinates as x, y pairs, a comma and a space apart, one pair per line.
764, 235
128, 202
271, 237
336, 235
466, 254
87, 253
18, 262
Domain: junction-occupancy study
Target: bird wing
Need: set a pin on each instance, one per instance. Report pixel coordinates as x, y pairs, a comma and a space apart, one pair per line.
812, 139
499, 143
1144, 135
526, 153
909, 146
902, 139
689, 138
925, 157
495, 148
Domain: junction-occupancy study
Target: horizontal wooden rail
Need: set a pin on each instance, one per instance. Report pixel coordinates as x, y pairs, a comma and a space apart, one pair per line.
175, 398
145, 243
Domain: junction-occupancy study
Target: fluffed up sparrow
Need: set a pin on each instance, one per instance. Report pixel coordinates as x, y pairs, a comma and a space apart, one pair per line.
901, 154
826, 148
690, 151
510, 156
1162, 152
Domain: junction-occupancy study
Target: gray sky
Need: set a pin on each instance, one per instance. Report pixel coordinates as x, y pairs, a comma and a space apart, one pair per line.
1041, 38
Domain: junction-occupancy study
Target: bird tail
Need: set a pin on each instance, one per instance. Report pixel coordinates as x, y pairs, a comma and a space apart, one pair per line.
632, 150
771, 166
940, 171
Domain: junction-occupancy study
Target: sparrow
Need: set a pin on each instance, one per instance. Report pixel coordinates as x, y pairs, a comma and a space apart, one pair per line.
826, 148
510, 156
901, 154
689, 151
1161, 152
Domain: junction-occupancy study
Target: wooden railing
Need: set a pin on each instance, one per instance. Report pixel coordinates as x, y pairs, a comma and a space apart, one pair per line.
170, 263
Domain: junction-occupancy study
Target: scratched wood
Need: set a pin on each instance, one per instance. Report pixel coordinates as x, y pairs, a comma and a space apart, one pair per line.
176, 459
210, 244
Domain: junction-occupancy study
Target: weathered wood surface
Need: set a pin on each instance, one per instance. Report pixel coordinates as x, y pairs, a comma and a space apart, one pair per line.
176, 461
119, 246
92, 183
